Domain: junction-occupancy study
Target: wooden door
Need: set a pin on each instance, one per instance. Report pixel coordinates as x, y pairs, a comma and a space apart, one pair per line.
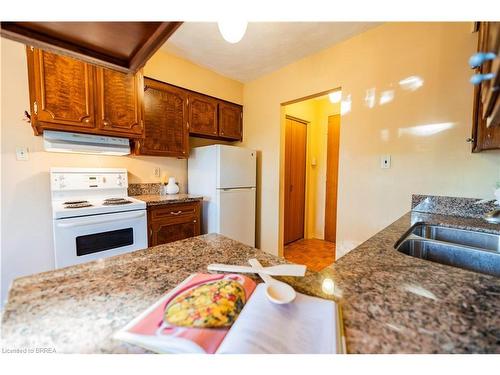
61, 92
332, 171
230, 121
166, 128
202, 115
295, 179
119, 103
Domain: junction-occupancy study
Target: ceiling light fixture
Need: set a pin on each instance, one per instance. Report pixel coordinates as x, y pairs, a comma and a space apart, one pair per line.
335, 96
232, 30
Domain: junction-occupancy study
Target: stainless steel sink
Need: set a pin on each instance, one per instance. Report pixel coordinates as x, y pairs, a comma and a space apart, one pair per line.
471, 250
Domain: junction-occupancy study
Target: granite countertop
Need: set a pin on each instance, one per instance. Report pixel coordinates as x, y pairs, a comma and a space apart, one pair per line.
157, 199
392, 303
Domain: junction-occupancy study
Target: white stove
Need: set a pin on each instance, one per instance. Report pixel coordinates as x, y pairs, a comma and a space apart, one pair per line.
93, 216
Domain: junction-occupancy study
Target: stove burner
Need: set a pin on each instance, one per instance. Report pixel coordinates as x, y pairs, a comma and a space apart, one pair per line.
78, 205
115, 201
75, 202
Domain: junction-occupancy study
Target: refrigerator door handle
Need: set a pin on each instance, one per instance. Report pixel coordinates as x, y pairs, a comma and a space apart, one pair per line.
236, 189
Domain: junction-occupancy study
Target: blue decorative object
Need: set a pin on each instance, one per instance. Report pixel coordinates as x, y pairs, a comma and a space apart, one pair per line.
476, 79
479, 58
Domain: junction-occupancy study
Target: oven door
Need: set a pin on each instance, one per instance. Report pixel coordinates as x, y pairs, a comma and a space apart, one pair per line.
82, 239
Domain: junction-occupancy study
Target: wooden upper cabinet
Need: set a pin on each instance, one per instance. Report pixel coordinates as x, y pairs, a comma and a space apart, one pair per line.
486, 112
202, 115
119, 98
61, 92
70, 95
166, 129
230, 121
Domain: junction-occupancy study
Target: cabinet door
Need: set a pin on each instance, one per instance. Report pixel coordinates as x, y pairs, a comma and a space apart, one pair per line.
169, 231
486, 116
61, 92
230, 121
166, 129
489, 41
202, 115
119, 103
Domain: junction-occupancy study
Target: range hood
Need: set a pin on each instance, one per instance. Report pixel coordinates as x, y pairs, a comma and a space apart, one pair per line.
55, 141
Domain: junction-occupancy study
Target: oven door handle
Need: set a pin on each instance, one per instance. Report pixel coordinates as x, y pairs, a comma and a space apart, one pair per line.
93, 221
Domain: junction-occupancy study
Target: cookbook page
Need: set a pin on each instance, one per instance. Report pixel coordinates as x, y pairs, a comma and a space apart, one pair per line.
193, 318
305, 326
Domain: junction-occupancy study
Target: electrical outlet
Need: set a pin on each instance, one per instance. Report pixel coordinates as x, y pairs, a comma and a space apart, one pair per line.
385, 161
157, 172
22, 153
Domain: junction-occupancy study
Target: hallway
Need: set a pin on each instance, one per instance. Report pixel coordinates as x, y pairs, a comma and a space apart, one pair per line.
315, 254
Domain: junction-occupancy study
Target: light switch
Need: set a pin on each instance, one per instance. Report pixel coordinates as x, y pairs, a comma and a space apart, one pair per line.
22, 153
385, 161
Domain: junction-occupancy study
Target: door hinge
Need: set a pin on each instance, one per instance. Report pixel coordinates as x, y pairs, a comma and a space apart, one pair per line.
187, 125
35, 107
187, 101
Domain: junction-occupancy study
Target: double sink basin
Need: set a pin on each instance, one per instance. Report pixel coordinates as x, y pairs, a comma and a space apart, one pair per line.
470, 250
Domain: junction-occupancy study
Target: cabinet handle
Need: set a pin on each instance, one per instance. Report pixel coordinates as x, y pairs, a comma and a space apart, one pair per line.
194, 221
151, 232
469, 140
476, 79
175, 213
479, 58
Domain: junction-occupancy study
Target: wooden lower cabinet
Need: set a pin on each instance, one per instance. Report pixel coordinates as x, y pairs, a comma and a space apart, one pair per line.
173, 222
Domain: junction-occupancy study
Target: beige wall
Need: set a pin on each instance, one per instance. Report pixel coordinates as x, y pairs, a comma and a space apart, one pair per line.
426, 158
26, 242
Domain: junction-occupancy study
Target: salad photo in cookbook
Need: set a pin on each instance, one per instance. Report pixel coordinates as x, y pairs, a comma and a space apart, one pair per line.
230, 313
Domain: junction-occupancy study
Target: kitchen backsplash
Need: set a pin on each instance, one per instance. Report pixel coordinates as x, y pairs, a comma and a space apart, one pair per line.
144, 188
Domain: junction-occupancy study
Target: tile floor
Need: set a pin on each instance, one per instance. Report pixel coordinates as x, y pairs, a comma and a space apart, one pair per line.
315, 254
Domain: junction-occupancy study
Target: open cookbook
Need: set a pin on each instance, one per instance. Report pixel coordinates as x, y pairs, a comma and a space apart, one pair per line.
229, 313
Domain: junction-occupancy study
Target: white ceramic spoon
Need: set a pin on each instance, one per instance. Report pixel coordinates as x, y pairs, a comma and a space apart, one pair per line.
277, 291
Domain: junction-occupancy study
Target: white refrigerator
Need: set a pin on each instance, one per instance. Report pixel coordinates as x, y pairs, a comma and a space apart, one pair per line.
226, 177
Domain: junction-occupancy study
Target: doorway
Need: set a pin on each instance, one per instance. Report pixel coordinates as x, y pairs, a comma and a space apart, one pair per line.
295, 178
311, 134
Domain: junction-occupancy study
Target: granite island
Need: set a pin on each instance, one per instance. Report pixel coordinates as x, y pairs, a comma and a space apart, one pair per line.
392, 303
